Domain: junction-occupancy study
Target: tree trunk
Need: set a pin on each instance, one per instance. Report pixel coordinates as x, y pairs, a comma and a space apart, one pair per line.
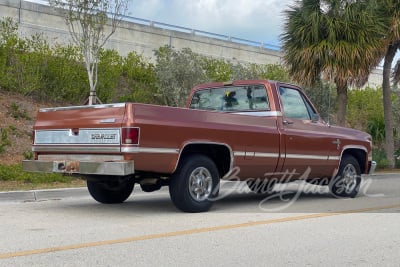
387, 103
342, 103
92, 92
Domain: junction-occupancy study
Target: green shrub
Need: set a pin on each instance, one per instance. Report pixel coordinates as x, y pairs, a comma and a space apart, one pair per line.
15, 173
28, 155
138, 82
109, 74
4, 141
379, 156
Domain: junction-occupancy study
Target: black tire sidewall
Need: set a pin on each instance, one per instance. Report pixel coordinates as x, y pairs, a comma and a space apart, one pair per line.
102, 194
335, 185
179, 184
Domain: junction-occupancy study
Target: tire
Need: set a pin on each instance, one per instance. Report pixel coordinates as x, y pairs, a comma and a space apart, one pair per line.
261, 186
348, 180
193, 184
150, 187
110, 193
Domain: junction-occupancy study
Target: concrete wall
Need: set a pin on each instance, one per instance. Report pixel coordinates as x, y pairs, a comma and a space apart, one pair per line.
144, 39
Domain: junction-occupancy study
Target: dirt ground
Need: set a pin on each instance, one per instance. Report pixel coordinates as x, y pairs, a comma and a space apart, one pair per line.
17, 115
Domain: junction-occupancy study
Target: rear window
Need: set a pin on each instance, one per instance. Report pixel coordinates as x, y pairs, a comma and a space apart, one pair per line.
231, 98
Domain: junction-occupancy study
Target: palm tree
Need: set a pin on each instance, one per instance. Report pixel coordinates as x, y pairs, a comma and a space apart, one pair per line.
390, 9
341, 39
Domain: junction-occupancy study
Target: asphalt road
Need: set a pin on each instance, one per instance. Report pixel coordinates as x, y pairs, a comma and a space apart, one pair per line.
304, 227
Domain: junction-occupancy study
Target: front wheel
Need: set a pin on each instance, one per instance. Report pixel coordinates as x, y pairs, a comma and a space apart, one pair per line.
194, 183
348, 180
110, 192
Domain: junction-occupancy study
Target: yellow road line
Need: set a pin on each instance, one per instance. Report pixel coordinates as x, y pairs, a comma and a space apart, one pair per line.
188, 232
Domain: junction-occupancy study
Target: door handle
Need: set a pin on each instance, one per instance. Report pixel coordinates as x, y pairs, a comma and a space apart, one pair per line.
287, 122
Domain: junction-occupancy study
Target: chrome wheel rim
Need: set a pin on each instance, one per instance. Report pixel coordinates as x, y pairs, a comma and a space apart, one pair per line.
200, 184
349, 179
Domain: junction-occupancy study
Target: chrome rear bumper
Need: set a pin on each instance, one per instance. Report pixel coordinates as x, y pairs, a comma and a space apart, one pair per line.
118, 168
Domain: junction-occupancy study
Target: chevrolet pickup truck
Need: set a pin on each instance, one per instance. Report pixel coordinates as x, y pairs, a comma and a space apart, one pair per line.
261, 129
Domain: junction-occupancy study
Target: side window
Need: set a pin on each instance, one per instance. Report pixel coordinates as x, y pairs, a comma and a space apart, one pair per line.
233, 98
293, 103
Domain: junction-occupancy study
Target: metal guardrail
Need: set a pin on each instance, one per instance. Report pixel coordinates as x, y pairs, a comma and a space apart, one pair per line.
167, 26
200, 33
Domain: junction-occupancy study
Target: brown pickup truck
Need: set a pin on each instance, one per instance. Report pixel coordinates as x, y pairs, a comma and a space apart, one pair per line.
260, 129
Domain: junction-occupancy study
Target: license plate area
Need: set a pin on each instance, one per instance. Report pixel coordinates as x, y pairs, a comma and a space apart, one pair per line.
66, 166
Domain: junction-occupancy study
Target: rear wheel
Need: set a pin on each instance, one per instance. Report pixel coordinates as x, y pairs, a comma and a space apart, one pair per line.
348, 180
110, 192
194, 183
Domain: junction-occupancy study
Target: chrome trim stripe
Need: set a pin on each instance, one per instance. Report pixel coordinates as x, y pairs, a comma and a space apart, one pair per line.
110, 120
239, 153
115, 149
334, 158
116, 105
302, 156
266, 155
80, 157
255, 154
290, 156
261, 113
77, 149
154, 150
354, 146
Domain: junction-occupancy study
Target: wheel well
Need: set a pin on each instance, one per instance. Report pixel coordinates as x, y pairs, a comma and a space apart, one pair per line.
360, 155
220, 154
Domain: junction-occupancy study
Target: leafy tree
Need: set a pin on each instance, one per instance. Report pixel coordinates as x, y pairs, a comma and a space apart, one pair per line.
139, 81
340, 39
65, 76
177, 72
110, 72
87, 21
10, 46
390, 11
217, 70
322, 95
364, 106
271, 72
259, 71
376, 128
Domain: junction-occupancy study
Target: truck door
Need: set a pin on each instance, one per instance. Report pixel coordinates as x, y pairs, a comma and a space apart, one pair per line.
306, 137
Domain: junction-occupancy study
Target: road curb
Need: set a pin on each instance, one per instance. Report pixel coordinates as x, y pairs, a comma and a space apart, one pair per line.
38, 195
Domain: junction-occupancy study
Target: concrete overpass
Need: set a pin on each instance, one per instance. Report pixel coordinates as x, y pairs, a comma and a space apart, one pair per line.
145, 36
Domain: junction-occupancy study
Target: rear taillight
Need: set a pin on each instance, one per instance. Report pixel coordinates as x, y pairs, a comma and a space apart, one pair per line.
130, 135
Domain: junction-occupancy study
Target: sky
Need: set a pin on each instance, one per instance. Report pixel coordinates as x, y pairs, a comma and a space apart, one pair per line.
254, 20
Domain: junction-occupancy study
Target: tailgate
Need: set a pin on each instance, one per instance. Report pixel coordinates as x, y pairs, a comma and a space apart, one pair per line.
83, 139
79, 129
103, 116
